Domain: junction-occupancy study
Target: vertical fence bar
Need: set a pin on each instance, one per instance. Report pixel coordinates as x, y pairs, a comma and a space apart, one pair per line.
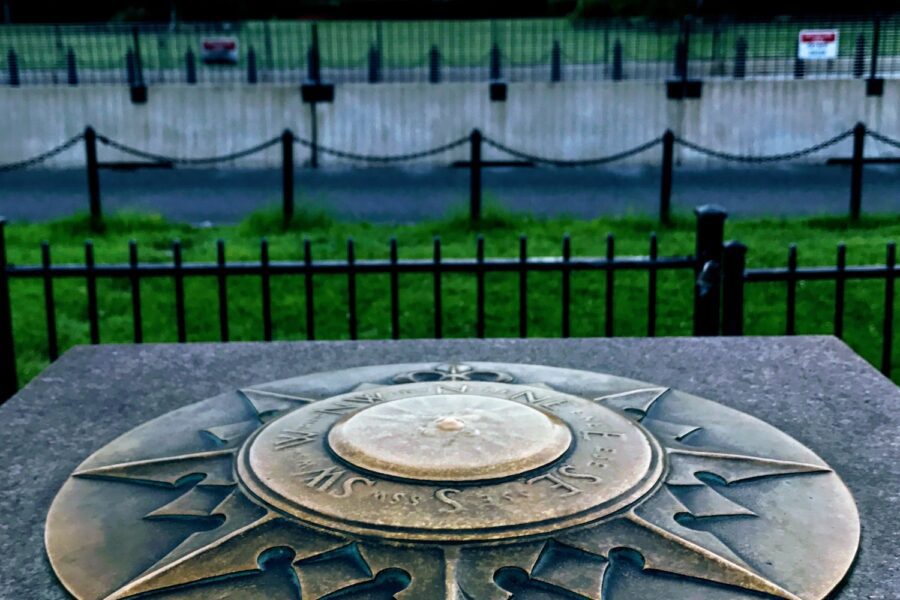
91, 283
708, 256
888, 325
438, 292
134, 277
566, 284
309, 290
49, 303
734, 260
222, 279
287, 176
523, 286
479, 287
352, 323
395, 292
265, 283
856, 173
791, 282
665, 186
839, 285
9, 381
651, 286
609, 308
475, 177
178, 276
93, 175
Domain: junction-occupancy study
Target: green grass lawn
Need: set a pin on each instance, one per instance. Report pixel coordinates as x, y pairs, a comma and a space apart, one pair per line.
345, 44
768, 241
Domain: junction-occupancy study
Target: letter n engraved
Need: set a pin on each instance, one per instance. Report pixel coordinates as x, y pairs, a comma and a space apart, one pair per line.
290, 438
321, 479
555, 483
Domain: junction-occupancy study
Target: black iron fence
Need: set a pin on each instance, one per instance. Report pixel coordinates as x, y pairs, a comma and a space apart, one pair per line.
476, 162
437, 51
719, 277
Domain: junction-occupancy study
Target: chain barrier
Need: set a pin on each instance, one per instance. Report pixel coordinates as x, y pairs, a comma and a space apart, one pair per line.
36, 160
883, 138
765, 158
187, 161
389, 158
576, 162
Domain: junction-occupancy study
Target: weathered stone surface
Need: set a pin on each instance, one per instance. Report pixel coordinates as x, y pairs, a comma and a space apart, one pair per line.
813, 388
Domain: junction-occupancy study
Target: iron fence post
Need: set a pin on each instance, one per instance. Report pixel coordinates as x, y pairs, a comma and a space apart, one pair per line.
434, 65
707, 269
71, 67
888, 323
876, 41
665, 186
287, 175
313, 66
12, 67
740, 58
93, 175
475, 176
556, 62
138, 87
496, 59
618, 71
190, 67
374, 64
252, 75
856, 172
734, 259
9, 382
859, 56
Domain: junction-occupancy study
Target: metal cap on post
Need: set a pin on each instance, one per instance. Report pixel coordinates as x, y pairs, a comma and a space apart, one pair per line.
734, 259
710, 236
9, 381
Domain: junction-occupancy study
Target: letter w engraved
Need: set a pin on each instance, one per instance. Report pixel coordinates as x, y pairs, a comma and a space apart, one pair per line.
291, 438
352, 403
545, 401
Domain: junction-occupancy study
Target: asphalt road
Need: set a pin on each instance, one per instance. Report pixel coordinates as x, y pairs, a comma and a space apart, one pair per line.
407, 195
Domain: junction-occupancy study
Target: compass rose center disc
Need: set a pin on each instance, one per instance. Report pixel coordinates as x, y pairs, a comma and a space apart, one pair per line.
450, 438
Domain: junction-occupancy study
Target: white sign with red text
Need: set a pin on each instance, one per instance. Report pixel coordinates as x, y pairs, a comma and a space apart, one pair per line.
818, 44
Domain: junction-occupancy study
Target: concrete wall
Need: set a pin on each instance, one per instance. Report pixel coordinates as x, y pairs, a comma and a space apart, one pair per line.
561, 120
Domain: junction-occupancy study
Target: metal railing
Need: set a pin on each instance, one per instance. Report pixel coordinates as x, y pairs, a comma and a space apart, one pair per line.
439, 51
475, 163
719, 278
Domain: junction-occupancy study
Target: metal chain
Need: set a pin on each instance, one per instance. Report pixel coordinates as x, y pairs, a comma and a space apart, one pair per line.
188, 161
883, 138
35, 160
573, 163
765, 158
384, 158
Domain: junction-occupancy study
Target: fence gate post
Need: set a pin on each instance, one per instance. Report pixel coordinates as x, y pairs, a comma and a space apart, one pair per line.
287, 176
665, 186
856, 172
707, 287
93, 175
475, 176
9, 382
734, 258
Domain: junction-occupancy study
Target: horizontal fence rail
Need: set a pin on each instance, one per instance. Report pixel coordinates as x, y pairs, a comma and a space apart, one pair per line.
441, 51
475, 141
717, 274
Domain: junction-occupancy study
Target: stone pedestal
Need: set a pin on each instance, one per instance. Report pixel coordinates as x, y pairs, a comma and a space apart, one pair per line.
812, 388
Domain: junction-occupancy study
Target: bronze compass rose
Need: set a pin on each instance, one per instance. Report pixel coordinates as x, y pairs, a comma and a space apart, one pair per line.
476, 481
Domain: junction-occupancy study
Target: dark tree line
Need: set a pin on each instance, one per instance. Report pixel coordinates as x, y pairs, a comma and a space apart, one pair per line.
23, 11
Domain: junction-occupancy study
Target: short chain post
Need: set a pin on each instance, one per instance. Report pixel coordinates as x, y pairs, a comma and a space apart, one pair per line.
707, 270
618, 70
287, 176
93, 176
740, 58
190, 67
252, 74
856, 172
665, 185
9, 382
374, 64
71, 67
475, 177
734, 260
434, 65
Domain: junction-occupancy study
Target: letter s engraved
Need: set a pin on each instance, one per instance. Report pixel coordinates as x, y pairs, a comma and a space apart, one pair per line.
347, 486
444, 496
